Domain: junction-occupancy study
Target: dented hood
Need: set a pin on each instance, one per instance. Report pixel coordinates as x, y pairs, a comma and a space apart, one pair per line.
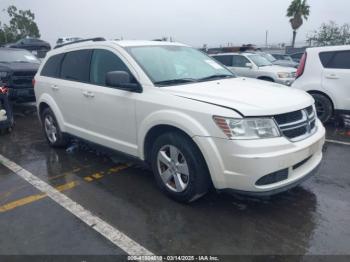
250, 97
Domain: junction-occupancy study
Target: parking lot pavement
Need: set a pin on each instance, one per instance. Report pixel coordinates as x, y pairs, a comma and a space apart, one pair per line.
311, 219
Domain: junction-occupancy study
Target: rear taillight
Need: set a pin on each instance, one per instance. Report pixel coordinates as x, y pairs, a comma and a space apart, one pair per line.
3, 90
301, 67
33, 82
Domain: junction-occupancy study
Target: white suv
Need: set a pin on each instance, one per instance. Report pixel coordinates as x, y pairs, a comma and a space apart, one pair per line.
324, 72
254, 65
190, 118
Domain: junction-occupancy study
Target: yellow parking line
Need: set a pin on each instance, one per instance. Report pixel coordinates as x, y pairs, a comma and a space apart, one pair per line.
33, 198
61, 188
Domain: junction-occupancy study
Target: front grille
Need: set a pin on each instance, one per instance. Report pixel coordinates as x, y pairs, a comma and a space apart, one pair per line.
297, 125
24, 73
22, 78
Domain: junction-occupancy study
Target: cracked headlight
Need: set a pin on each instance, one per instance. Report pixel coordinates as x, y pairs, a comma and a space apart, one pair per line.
247, 128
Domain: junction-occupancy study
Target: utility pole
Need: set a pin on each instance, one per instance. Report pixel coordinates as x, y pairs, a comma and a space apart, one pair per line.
266, 37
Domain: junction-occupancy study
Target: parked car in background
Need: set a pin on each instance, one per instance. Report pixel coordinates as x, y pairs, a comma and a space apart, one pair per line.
64, 40
254, 65
285, 60
183, 113
31, 44
275, 61
324, 72
297, 57
17, 70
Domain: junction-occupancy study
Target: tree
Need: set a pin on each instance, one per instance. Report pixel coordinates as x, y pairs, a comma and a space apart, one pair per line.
297, 10
21, 24
330, 34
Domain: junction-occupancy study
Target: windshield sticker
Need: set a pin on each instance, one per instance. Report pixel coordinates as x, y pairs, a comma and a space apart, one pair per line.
213, 64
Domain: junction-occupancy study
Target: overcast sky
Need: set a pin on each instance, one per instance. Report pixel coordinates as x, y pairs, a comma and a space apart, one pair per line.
194, 22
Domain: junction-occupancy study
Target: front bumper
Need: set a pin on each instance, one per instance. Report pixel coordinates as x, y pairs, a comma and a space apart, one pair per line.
22, 94
239, 164
285, 81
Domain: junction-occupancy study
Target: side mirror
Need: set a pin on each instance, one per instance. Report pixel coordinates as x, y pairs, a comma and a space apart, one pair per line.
122, 80
249, 65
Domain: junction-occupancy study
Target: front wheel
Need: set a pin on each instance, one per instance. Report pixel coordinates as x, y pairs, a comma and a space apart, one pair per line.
179, 167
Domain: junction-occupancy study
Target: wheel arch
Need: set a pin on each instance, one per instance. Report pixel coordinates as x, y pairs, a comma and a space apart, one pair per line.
269, 78
322, 93
47, 101
165, 120
155, 132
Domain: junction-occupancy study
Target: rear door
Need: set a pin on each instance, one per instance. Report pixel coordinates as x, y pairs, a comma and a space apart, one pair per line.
69, 91
336, 77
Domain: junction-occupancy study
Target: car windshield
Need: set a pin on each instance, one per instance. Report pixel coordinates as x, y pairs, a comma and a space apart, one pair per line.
21, 56
170, 64
259, 60
269, 57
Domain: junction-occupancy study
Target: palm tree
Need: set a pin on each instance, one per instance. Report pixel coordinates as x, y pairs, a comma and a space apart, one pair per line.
297, 10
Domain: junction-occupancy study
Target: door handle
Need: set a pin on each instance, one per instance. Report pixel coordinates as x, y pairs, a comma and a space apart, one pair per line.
332, 76
88, 94
54, 87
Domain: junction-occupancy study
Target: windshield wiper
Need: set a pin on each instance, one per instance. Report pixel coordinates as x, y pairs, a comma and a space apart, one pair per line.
212, 77
175, 81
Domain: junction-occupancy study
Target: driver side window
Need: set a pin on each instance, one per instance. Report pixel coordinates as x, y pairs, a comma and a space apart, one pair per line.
239, 61
102, 62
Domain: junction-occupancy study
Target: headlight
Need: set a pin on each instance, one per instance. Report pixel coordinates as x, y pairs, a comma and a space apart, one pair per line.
247, 128
284, 75
3, 74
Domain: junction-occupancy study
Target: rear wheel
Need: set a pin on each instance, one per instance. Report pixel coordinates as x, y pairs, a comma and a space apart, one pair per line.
179, 167
324, 107
52, 131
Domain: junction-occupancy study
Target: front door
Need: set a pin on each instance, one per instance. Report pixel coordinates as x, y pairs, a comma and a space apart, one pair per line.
111, 110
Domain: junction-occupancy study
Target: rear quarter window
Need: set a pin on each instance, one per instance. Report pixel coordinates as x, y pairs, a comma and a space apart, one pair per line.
52, 66
336, 59
76, 66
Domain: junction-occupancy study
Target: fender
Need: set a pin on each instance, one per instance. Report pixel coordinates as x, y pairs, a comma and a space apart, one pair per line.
172, 118
46, 98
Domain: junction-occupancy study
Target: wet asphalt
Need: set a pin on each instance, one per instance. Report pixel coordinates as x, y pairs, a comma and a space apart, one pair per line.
313, 218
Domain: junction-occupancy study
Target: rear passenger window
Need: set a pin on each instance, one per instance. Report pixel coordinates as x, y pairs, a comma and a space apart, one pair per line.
224, 59
52, 66
336, 60
104, 61
76, 66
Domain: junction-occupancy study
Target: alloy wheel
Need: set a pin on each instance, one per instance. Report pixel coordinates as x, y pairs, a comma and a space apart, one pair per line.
173, 168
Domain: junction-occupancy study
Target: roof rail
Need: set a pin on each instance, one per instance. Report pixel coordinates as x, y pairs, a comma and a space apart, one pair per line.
95, 39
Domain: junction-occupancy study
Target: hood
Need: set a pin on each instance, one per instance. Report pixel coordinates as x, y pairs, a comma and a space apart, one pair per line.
277, 69
19, 66
285, 63
250, 97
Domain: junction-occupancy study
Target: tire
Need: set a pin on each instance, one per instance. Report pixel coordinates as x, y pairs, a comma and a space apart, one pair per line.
196, 183
324, 107
49, 124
